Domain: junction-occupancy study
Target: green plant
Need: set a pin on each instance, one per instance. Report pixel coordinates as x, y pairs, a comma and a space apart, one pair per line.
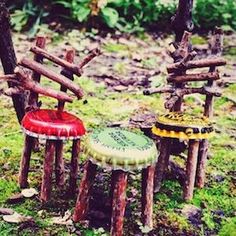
29, 12
228, 228
81, 10
211, 13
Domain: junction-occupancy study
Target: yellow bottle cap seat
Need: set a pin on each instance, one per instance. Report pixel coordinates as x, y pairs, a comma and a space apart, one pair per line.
183, 126
117, 148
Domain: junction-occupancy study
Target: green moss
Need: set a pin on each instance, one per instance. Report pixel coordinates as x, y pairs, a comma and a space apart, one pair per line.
196, 40
228, 227
111, 47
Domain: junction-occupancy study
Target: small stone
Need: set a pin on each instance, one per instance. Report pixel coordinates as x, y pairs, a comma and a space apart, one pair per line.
219, 178
190, 211
65, 220
120, 88
30, 192
16, 198
6, 211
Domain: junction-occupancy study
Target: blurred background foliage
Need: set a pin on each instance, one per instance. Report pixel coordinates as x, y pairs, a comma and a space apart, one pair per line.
123, 15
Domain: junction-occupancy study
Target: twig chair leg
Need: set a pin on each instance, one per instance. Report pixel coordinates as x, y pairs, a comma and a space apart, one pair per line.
147, 195
74, 166
59, 164
84, 191
162, 163
47, 171
119, 202
25, 161
191, 167
202, 162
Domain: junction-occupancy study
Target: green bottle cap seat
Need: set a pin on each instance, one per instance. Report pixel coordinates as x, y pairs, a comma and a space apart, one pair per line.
117, 148
183, 126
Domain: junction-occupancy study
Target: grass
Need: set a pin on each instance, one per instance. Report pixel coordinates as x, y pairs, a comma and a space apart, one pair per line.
99, 108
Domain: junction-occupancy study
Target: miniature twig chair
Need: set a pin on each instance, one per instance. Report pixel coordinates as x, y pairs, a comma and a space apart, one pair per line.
178, 126
52, 125
120, 151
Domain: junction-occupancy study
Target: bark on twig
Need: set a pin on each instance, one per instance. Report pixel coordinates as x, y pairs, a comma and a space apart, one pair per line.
197, 64
194, 77
183, 19
95, 52
191, 168
147, 196
52, 75
29, 84
25, 162
70, 54
38, 51
178, 92
86, 183
76, 69
118, 202
46, 187
8, 58
33, 97
214, 91
216, 50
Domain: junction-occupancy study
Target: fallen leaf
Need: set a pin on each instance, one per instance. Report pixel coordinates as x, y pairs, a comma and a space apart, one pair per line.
6, 211
65, 220
29, 192
16, 198
16, 218
119, 88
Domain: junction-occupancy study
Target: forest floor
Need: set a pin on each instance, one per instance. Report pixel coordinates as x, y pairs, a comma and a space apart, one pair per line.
114, 83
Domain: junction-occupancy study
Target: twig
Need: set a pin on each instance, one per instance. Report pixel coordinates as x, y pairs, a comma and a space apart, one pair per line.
52, 75
193, 77
158, 90
95, 52
196, 64
29, 84
206, 90
39, 51
76, 69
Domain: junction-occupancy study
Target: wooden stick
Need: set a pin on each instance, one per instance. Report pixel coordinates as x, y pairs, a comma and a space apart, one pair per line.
84, 192
217, 46
76, 69
74, 167
118, 203
29, 84
202, 163
214, 91
65, 64
8, 57
9, 77
95, 52
197, 64
191, 169
25, 162
162, 163
52, 75
194, 77
182, 20
12, 90
46, 187
33, 97
158, 90
182, 50
147, 196
59, 164
69, 57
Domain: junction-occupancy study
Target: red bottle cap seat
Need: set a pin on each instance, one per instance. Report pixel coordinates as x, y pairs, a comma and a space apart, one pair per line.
52, 124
